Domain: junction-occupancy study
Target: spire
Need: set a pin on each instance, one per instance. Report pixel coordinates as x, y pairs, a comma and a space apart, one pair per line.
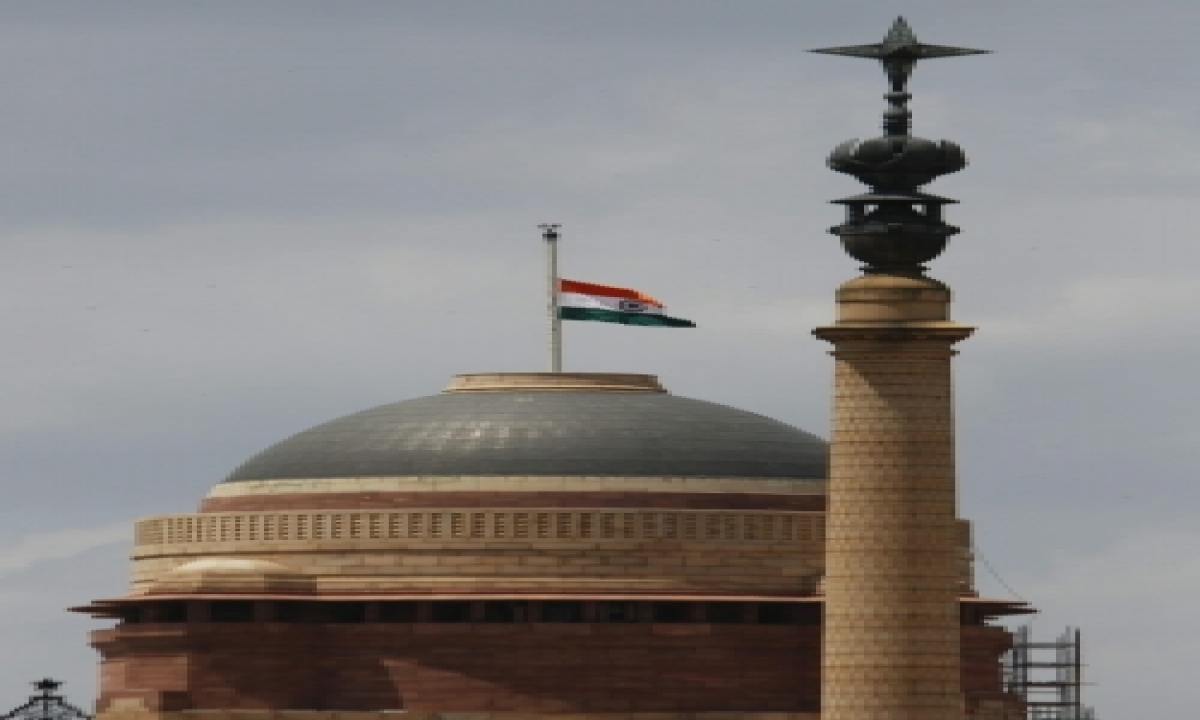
896, 227
899, 52
47, 705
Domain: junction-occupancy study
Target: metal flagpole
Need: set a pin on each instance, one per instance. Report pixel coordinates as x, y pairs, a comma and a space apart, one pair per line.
550, 235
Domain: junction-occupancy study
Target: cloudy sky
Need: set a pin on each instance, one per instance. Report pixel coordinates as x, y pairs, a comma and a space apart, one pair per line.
222, 222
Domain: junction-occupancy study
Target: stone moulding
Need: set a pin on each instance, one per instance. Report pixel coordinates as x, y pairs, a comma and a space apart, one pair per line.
517, 483
519, 550
394, 529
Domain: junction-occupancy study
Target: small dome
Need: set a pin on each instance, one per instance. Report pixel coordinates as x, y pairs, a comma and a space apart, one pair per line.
535, 424
231, 575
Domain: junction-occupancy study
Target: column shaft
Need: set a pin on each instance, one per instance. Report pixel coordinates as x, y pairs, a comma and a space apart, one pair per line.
891, 636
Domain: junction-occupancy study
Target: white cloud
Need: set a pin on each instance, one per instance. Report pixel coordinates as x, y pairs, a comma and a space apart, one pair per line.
763, 318
1135, 604
1139, 143
225, 224
1090, 311
33, 550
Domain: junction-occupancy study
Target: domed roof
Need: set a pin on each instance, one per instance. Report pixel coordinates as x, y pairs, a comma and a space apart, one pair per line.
549, 425
232, 574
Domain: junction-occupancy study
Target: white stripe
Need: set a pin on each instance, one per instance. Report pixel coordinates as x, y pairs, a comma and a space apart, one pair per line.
604, 302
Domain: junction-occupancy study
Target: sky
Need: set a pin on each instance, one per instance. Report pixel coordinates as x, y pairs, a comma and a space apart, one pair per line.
224, 222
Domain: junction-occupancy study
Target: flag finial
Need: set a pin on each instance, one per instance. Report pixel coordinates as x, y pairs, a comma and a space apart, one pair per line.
899, 52
549, 231
550, 235
896, 226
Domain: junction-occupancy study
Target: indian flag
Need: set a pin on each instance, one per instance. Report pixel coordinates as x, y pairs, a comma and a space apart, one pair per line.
605, 303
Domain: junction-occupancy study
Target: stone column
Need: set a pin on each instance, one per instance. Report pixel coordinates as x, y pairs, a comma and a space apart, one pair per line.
891, 628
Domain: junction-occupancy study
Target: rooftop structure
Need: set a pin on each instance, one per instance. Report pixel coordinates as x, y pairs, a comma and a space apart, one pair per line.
546, 425
540, 544
893, 638
637, 583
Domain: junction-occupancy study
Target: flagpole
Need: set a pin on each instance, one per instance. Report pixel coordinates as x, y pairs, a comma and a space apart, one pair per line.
550, 235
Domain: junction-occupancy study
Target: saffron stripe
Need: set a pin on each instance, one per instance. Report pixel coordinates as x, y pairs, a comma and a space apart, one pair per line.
583, 288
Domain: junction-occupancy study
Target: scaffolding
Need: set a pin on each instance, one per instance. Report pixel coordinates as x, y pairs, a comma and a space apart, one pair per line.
1047, 676
46, 705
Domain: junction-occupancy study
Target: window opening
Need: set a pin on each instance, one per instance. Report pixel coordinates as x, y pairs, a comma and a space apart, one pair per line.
671, 612
398, 612
505, 611
347, 612
451, 612
232, 611
562, 612
775, 613
725, 612
289, 611
616, 612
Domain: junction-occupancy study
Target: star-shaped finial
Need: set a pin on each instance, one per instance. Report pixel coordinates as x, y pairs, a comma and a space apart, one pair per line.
47, 685
899, 52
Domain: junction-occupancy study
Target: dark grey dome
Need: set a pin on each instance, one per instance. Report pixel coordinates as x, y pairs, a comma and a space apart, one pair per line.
562, 432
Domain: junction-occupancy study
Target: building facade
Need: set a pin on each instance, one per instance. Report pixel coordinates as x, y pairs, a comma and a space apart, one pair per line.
520, 544
530, 545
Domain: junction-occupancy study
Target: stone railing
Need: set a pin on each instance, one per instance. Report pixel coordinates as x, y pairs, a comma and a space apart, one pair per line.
492, 525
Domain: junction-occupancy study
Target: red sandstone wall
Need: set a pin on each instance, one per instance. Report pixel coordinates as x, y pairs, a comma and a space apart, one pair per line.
982, 647
535, 667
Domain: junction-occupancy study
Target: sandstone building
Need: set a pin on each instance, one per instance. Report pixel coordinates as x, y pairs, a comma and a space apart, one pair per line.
521, 543
529, 545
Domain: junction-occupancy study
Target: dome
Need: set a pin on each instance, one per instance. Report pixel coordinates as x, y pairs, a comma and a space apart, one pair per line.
535, 424
231, 574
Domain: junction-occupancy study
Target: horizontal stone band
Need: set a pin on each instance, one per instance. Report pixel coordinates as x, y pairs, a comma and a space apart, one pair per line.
491, 525
383, 500
523, 483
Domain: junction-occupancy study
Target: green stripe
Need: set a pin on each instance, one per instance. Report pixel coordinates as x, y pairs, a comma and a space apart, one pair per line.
612, 316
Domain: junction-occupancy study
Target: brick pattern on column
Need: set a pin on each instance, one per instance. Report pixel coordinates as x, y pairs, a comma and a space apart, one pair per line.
891, 639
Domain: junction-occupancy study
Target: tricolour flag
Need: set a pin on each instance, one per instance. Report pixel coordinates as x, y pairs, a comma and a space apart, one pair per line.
605, 303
